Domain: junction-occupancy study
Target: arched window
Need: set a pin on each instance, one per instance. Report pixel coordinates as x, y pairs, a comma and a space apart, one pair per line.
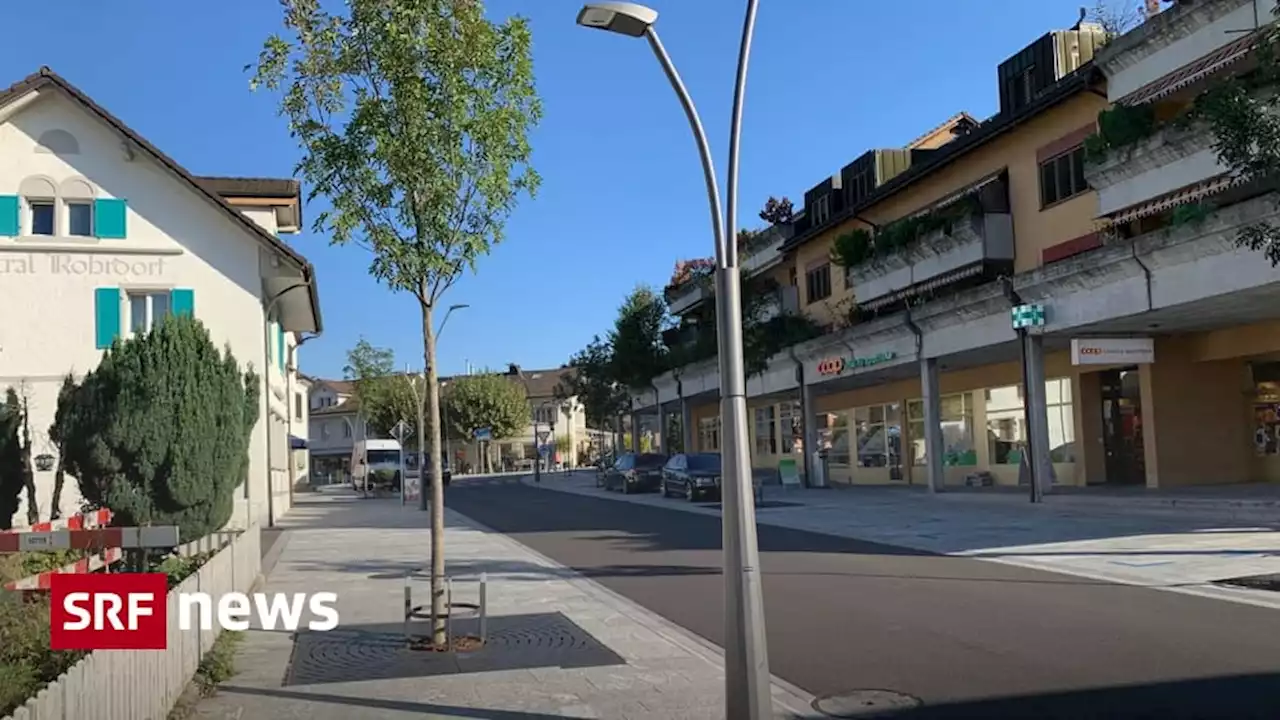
40, 194
77, 195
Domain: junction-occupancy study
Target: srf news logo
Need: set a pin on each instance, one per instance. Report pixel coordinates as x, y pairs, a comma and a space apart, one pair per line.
129, 611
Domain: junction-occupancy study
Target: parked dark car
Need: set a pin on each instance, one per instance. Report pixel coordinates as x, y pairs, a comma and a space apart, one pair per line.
636, 473
693, 476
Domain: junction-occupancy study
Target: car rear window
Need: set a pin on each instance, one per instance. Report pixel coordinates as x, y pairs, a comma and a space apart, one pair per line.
651, 460
704, 461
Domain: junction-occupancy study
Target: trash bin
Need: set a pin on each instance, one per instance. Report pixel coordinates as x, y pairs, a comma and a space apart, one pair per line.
820, 468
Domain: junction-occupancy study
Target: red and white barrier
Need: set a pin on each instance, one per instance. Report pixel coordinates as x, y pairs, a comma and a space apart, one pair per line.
94, 519
43, 581
164, 536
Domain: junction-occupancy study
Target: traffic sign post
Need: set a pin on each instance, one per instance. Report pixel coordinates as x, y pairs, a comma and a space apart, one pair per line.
400, 432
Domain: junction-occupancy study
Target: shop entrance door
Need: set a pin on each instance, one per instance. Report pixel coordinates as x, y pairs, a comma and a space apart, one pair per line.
1122, 427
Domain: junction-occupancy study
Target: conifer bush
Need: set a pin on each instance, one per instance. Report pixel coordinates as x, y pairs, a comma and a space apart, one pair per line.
159, 432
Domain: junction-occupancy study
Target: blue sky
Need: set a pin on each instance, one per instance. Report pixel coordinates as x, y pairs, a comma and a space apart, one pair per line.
622, 196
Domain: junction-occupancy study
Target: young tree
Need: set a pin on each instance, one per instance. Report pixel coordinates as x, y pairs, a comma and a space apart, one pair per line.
386, 397
159, 432
486, 401
414, 120
57, 434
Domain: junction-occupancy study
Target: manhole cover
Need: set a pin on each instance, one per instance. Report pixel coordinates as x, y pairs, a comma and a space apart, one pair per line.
864, 704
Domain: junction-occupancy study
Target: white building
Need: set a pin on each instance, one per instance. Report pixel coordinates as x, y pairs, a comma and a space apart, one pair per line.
101, 234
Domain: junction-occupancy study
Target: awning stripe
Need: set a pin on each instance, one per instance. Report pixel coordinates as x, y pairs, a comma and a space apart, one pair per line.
1215, 61
1190, 193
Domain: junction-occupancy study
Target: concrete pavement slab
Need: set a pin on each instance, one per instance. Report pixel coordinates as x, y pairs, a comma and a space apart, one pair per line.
560, 644
1183, 548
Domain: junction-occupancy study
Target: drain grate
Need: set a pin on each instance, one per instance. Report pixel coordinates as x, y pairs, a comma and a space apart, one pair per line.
380, 652
865, 704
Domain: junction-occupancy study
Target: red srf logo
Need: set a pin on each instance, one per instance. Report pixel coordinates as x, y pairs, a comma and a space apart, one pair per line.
121, 611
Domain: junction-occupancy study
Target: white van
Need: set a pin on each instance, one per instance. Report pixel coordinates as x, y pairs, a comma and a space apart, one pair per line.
371, 456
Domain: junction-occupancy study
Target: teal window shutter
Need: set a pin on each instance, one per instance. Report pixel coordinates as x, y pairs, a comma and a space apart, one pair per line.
182, 301
107, 311
109, 218
280, 346
9, 215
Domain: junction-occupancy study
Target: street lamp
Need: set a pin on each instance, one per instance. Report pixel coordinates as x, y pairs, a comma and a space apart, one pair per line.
537, 446
747, 678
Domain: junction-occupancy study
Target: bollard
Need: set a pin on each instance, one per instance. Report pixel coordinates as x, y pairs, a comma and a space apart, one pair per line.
484, 614
448, 614
408, 603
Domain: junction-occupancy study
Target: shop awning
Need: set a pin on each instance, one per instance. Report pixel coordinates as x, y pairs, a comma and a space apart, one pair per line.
1218, 60
297, 443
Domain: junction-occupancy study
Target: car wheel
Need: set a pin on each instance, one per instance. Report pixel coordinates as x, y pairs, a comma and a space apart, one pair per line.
626, 487
690, 493
666, 491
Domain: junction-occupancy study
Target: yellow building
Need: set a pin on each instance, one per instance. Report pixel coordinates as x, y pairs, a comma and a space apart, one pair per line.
1037, 250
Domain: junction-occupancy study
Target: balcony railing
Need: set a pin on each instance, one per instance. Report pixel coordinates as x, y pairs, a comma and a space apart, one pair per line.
683, 297
1173, 157
783, 301
969, 246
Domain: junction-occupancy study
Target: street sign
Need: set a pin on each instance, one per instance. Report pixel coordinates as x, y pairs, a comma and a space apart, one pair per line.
1025, 316
544, 450
543, 435
484, 434
400, 431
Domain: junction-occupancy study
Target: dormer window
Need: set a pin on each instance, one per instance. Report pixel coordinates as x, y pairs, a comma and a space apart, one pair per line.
821, 210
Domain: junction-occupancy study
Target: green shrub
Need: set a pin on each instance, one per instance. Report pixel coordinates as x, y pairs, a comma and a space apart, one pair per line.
26, 662
159, 431
219, 664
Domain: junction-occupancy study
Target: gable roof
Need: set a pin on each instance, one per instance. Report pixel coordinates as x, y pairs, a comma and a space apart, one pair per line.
45, 77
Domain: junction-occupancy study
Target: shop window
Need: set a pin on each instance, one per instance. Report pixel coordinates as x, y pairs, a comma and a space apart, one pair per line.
709, 434
791, 427
833, 437
1266, 408
1007, 429
957, 431
878, 434
766, 431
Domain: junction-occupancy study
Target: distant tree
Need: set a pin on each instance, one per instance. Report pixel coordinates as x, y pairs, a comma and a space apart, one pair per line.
1116, 17
592, 382
639, 354
487, 401
159, 432
777, 211
385, 396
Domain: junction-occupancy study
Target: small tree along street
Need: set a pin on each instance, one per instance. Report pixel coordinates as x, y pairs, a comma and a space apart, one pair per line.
592, 382
414, 121
486, 401
385, 396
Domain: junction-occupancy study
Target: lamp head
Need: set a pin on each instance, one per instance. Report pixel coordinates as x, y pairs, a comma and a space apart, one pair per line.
623, 18
458, 307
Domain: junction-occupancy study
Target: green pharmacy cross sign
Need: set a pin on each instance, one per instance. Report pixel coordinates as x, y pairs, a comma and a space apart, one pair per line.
1025, 316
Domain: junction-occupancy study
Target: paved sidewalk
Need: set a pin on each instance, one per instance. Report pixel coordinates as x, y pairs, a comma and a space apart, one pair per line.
1181, 549
561, 646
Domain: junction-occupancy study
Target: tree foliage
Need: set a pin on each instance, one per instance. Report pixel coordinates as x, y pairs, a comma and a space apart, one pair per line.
12, 469
57, 434
159, 432
486, 401
385, 396
777, 211
593, 383
639, 354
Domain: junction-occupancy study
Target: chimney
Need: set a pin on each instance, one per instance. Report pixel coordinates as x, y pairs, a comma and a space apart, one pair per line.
513, 369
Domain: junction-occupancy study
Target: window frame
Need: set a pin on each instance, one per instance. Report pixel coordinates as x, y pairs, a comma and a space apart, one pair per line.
86, 203
34, 201
149, 295
1073, 159
765, 443
822, 273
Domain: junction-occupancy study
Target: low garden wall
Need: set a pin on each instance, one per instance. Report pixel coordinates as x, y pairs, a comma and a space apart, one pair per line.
146, 684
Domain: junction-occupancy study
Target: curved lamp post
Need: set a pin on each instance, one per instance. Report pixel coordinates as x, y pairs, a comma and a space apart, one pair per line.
747, 679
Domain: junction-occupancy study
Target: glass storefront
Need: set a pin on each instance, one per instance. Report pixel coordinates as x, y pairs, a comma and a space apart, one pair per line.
957, 431
877, 431
1007, 427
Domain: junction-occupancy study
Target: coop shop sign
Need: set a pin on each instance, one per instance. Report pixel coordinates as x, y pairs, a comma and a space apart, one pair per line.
80, 265
835, 366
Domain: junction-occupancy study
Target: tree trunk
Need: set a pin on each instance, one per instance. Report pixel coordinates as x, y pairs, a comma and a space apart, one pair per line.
28, 469
59, 478
438, 609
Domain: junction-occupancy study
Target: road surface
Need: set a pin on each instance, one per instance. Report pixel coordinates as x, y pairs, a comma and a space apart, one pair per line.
968, 638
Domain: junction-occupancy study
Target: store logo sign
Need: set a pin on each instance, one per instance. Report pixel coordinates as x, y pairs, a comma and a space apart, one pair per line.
1112, 351
835, 366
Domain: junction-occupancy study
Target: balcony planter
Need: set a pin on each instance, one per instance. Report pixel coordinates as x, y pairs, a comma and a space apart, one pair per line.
1167, 145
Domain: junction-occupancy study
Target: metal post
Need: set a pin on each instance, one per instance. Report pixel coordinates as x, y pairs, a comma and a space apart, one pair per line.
484, 605
403, 474
747, 680
1028, 445
408, 602
537, 453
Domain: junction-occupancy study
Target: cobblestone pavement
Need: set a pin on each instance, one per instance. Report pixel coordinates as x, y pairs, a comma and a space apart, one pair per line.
1181, 548
559, 645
